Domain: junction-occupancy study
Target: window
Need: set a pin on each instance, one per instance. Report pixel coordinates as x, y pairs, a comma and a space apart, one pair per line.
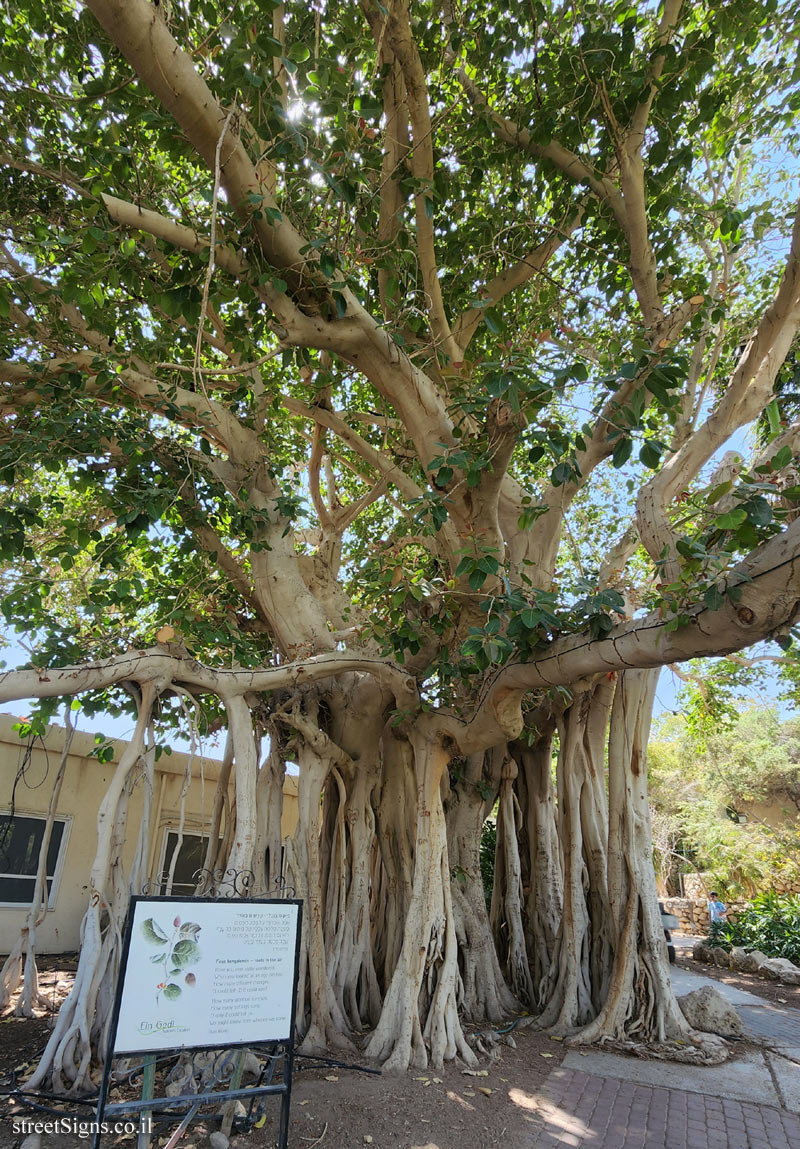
190, 859
20, 841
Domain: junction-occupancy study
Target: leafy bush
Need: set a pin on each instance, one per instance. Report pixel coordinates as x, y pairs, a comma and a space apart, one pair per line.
770, 923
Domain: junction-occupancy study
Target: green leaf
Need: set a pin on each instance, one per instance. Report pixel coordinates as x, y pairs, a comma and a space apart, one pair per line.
476, 579
758, 511
622, 452
781, 459
185, 953
171, 991
650, 455
731, 519
298, 53
716, 493
713, 598
531, 618
493, 320
153, 933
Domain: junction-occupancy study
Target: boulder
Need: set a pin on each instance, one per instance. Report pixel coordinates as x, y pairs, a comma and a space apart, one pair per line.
720, 956
702, 952
251, 1066
706, 1009
740, 959
758, 957
218, 1140
780, 969
32, 1141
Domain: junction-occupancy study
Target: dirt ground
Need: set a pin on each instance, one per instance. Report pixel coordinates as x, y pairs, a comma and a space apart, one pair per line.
334, 1107
342, 1108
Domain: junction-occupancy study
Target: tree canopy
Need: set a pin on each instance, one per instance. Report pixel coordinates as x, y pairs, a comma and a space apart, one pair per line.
366, 374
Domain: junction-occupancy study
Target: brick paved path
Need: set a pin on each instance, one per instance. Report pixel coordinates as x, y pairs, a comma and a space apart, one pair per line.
591, 1112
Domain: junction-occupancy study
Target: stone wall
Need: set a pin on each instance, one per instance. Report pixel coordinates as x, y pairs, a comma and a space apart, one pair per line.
692, 914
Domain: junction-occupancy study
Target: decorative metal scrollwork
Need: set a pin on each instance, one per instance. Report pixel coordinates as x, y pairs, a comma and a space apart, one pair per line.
282, 890
224, 883
156, 885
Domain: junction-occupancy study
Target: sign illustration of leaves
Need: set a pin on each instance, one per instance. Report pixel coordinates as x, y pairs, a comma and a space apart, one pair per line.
177, 951
153, 933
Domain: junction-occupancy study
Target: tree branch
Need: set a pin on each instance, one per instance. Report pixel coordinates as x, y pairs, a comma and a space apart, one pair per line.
398, 35
747, 392
769, 581
513, 277
159, 666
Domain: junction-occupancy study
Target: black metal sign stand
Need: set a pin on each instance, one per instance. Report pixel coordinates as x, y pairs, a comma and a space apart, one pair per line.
227, 1065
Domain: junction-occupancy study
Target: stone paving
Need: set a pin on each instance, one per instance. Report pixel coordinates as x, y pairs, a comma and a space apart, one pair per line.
585, 1111
611, 1102
777, 1026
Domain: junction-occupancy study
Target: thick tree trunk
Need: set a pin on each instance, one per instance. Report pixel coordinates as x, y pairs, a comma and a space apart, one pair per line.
395, 819
319, 1016
485, 995
30, 999
421, 1002
541, 870
351, 965
581, 963
507, 893
268, 852
66, 1061
640, 1005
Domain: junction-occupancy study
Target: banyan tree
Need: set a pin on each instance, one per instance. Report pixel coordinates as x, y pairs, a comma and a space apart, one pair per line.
393, 389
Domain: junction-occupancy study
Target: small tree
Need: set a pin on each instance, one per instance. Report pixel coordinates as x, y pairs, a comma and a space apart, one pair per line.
365, 374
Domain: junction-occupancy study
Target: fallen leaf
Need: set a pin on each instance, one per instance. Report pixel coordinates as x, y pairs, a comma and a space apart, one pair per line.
783, 1000
483, 1089
469, 1093
424, 1080
554, 1038
331, 1077
165, 633
438, 1080
475, 1072
303, 1103
367, 1139
547, 1055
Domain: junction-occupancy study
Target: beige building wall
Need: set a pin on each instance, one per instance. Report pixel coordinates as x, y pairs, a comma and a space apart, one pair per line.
85, 782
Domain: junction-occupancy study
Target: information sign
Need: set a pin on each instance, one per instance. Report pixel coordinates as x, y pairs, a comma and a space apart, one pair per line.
205, 973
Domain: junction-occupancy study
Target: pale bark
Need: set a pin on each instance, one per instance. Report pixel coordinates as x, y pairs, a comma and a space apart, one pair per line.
507, 893
427, 968
640, 1005
542, 875
66, 1060
485, 994
582, 957
24, 949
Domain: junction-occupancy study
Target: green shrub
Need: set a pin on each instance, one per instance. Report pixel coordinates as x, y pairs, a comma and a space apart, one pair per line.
770, 923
